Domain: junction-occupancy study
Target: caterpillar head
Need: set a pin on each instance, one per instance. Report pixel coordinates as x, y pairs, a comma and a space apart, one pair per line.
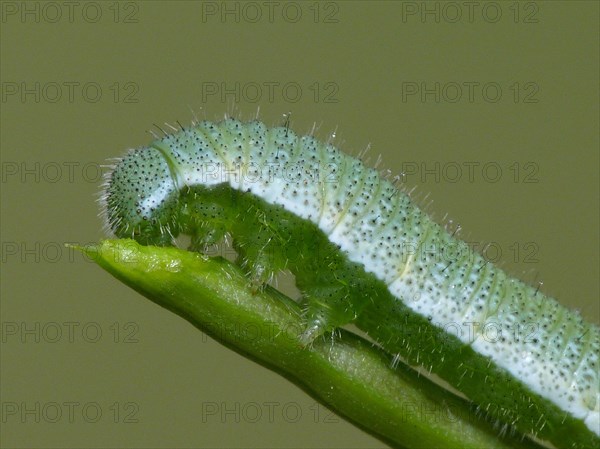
139, 198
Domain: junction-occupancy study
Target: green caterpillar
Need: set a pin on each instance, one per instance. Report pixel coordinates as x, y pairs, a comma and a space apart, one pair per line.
363, 253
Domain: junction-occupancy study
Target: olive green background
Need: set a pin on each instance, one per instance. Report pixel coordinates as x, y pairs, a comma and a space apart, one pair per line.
360, 54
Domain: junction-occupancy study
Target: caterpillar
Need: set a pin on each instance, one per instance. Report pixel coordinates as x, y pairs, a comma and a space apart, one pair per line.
363, 252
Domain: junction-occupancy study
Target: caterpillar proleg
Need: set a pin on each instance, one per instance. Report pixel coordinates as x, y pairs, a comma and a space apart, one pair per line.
362, 252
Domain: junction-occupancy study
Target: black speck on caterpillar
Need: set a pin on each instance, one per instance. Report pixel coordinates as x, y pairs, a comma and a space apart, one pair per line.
292, 202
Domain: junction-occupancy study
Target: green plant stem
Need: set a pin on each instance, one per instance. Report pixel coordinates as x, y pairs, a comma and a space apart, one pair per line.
345, 373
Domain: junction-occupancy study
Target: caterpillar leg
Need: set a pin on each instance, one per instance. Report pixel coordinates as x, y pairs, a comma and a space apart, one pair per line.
332, 300
325, 308
257, 263
332, 297
205, 237
260, 251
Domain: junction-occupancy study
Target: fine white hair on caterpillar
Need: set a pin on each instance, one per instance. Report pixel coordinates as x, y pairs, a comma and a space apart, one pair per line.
363, 252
